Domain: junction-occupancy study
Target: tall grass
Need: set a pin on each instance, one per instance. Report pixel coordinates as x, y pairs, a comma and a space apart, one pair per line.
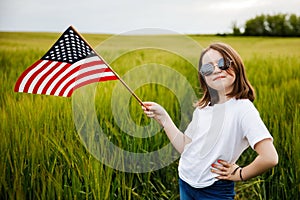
43, 157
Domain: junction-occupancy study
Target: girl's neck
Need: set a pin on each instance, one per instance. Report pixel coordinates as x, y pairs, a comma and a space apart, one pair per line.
223, 99
218, 97
219, 100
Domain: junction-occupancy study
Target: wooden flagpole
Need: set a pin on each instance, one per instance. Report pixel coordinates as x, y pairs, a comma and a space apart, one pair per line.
122, 81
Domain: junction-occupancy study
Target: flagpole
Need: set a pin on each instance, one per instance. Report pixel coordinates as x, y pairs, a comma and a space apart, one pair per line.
122, 81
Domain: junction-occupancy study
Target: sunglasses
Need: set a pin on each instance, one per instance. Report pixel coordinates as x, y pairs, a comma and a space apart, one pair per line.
208, 68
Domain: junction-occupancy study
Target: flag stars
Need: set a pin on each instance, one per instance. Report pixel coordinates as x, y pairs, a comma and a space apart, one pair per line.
69, 48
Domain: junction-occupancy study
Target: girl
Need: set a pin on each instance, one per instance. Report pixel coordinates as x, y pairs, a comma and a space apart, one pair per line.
225, 122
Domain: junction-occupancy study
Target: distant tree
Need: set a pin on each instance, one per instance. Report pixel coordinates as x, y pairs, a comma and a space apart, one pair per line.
256, 26
282, 25
277, 25
294, 22
235, 29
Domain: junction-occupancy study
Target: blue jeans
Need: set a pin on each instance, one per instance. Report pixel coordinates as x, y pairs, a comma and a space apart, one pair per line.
220, 190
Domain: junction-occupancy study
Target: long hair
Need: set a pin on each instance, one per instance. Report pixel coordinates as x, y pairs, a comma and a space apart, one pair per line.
242, 88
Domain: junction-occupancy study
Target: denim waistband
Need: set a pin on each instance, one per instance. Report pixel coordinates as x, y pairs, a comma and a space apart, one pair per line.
221, 189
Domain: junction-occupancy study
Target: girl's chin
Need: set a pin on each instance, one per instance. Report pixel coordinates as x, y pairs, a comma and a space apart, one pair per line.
219, 88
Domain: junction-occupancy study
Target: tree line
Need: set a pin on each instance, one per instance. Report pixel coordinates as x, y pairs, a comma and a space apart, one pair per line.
280, 25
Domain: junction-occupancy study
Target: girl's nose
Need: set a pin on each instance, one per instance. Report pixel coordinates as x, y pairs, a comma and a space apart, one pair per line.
216, 69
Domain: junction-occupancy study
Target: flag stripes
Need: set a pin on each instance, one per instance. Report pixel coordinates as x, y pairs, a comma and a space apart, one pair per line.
92, 78
60, 78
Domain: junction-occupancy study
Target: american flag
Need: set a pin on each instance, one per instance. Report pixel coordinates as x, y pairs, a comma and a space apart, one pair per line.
69, 64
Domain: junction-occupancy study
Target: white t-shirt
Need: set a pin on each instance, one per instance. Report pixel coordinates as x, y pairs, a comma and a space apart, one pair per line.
222, 131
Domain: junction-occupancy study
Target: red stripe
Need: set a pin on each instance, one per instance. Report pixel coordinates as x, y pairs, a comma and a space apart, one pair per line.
20, 79
32, 77
55, 77
76, 69
85, 74
40, 81
106, 78
95, 71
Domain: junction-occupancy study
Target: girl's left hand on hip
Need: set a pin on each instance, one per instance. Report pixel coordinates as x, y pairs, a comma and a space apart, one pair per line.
226, 171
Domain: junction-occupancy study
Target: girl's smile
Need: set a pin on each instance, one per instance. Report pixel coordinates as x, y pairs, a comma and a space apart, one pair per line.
219, 77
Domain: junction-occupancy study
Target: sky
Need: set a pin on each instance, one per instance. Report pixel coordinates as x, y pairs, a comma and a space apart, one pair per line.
117, 17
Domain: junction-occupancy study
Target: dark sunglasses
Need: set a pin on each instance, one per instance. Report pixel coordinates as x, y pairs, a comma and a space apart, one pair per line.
208, 68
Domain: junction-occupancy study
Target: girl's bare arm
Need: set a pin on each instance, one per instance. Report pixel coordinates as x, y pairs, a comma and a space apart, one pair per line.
157, 112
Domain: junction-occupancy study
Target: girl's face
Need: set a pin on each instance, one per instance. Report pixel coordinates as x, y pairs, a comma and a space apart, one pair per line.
219, 80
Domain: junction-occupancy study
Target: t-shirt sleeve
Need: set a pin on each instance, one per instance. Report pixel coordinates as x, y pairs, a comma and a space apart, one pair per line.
253, 127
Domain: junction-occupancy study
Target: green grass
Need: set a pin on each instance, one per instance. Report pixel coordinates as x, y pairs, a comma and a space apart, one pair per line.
43, 157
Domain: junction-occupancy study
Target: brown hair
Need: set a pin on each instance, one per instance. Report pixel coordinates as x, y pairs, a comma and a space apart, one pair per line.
242, 88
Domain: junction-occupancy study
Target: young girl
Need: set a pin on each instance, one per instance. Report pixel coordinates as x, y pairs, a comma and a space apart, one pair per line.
225, 122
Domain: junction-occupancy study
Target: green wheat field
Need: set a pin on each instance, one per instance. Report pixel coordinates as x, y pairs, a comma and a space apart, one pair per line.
43, 157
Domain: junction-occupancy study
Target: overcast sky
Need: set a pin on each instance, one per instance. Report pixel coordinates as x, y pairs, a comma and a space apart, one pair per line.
111, 16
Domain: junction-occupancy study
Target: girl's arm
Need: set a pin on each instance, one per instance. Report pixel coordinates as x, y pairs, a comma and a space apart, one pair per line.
267, 158
157, 112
